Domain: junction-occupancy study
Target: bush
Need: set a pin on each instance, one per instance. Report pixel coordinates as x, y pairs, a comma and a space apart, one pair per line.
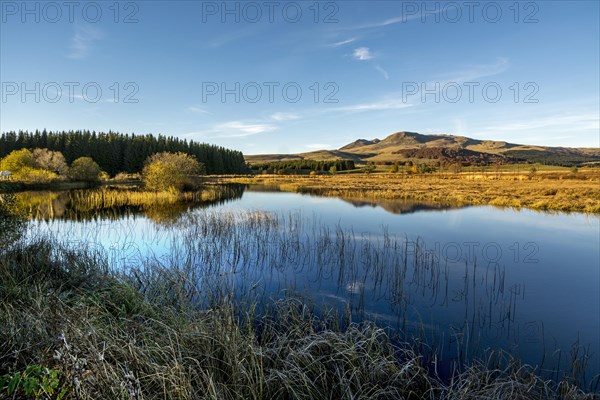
124, 176
370, 167
37, 175
34, 382
53, 161
84, 169
532, 172
172, 172
18, 160
39, 166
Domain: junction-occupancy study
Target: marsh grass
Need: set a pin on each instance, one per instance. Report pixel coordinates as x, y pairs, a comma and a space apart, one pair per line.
114, 202
558, 191
110, 338
205, 323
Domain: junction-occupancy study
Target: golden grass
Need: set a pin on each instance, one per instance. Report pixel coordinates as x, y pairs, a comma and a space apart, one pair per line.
558, 191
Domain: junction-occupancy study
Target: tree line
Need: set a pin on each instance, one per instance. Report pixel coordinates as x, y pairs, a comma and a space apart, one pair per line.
298, 165
115, 152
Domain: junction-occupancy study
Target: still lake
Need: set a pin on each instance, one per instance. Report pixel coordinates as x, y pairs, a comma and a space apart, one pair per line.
462, 280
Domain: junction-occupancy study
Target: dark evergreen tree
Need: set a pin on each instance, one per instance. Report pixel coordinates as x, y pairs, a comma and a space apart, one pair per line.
305, 165
116, 153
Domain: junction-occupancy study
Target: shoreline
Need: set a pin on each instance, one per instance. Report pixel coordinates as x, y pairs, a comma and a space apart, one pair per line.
546, 192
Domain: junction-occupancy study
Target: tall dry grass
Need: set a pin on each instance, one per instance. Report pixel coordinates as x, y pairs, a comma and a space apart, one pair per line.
110, 337
558, 191
198, 324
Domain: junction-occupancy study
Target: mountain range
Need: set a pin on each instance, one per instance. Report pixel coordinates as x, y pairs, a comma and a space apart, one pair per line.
404, 146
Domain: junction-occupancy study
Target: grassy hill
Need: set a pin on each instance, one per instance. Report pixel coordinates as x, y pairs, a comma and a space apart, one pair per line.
405, 146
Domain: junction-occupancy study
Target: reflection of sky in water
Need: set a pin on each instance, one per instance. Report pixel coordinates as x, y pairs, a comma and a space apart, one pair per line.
551, 261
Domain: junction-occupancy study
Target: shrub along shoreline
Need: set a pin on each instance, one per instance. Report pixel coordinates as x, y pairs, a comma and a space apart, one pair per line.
72, 328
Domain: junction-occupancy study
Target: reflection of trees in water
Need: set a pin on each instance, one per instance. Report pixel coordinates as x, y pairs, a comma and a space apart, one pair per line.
398, 206
394, 206
87, 205
11, 223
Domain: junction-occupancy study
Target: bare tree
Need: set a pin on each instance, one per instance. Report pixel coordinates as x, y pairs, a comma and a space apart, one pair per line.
51, 160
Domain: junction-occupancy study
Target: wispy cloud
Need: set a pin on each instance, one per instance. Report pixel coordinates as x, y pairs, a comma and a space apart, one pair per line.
395, 20
383, 72
242, 129
384, 104
196, 110
472, 73
362, 54
281, 116
387, 104
82, 41
341, 43
556, 123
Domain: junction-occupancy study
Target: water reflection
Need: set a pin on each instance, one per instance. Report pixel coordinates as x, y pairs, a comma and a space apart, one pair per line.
399, 206
394, 206
115, 204
522, 281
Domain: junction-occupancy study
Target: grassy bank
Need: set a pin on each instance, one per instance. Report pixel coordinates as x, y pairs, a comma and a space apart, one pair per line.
559, 191
70, 327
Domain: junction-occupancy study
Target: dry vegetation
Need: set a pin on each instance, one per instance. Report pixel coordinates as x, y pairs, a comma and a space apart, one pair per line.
542, 190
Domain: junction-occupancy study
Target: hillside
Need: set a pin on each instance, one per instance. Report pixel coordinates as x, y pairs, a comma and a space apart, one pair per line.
405, 146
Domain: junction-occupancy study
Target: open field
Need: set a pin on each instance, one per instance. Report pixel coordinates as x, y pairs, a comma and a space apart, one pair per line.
544, 190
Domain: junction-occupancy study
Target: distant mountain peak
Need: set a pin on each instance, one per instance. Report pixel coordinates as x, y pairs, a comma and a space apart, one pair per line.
405, 137
360, 143
402, 146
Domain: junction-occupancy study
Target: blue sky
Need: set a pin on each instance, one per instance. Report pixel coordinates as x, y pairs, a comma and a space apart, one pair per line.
365, 69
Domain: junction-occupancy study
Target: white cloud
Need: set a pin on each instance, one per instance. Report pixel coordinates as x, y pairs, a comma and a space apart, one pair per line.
82, 41
281, 116
242, 129
341, 43
362, 53
388, 104
196, 110
386, 22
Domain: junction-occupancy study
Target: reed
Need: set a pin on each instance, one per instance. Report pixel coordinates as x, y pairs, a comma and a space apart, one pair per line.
115, 202
554, 191
224, 316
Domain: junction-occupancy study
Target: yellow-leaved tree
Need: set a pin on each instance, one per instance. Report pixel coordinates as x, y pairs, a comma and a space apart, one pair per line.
172, 172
